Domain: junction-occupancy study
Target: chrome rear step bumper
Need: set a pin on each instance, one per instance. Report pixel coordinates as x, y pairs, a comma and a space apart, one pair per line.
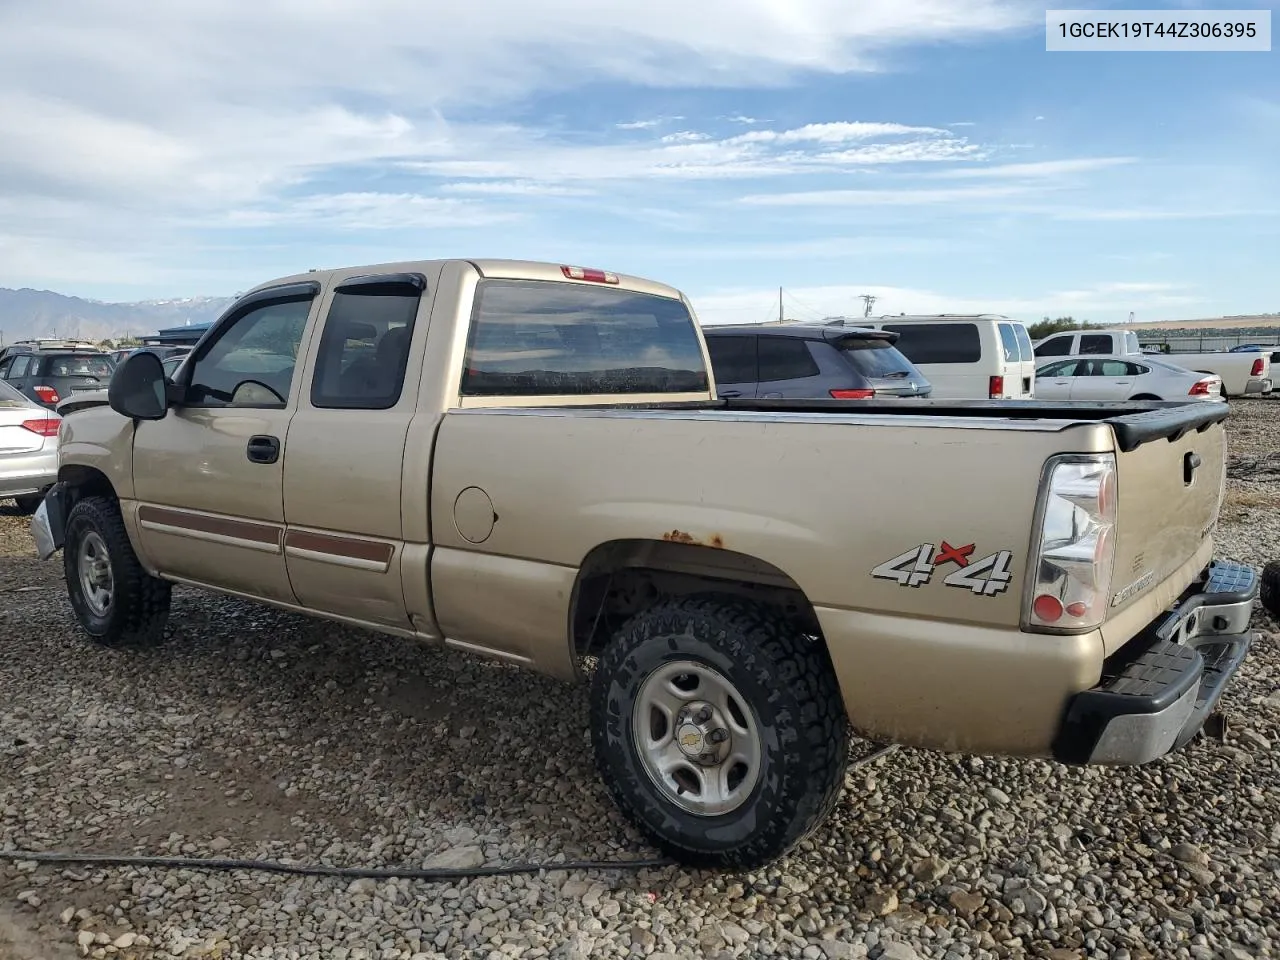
1157, 691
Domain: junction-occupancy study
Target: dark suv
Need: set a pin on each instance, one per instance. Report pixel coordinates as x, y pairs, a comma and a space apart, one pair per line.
47, 376
810, 361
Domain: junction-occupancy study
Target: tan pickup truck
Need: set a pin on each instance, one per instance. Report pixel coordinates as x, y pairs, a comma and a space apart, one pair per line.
529, 461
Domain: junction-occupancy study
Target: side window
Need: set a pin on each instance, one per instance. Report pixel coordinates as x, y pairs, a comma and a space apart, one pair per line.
1114, 368
1055, 347
1063, 368
1024, 341
733, 359
252, 362
1009, 341
364, 350
1131, 340
785, 358
1095, 343
938, 342
1136, 370
19, 368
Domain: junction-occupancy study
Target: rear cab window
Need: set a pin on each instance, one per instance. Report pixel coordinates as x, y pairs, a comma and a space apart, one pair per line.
1024, 342
938, 342
545, 338
1009, 343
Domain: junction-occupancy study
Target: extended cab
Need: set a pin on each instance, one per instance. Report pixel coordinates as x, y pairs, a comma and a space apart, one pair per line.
530, 462
1242, 374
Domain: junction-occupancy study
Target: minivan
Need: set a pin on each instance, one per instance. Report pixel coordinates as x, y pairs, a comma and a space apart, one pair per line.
809, 361
965, 356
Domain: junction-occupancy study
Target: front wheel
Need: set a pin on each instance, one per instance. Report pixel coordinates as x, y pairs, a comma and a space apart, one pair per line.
719, 730
114, 598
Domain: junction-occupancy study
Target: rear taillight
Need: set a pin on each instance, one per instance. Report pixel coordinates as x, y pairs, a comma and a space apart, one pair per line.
853, 394
48, 427
996, 387
1257, 368
47, 394
1071, 571
1200, 388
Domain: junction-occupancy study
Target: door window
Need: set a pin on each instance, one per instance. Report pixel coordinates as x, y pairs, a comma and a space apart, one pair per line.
785, 358
733, 359
1024, 342
1055, 347
1106, 368
1063, 368
251, 362
1095, 343
19, 368
364, 350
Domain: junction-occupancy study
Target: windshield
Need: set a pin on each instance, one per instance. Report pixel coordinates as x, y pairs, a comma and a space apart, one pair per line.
876, 359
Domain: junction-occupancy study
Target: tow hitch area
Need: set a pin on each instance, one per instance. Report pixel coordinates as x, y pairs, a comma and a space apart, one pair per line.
1156, 693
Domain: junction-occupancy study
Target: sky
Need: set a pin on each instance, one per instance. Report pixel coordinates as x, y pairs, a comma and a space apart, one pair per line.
928, 152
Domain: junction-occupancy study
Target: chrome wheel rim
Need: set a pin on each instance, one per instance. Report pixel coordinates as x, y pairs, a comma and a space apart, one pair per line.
94, 566
697, 738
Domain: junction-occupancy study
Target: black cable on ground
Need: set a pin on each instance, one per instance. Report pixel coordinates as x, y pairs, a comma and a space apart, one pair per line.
359, 873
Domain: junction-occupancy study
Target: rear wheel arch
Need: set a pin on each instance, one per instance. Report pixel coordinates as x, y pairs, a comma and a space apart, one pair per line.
621, 578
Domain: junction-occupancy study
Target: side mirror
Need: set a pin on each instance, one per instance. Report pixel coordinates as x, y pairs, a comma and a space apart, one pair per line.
137, 387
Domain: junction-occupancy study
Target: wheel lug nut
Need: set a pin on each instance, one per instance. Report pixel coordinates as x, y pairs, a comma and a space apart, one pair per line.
719, 735
703, 715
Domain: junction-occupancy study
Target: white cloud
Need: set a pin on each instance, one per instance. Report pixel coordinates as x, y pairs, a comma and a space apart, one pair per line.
1044, 168
514, 188
832, 133
637, 124
739, 118
902, 197
962, 123
372, 211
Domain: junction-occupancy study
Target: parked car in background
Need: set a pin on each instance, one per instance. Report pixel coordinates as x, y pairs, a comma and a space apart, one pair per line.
28, 448
38, 344
810, 360
48, 376
1104, 343
1242, 374
1123, 378
966, 357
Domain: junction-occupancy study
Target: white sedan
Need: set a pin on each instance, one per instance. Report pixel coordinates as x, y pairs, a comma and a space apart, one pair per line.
1098, 378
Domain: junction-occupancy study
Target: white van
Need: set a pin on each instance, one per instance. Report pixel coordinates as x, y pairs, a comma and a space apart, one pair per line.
966, 356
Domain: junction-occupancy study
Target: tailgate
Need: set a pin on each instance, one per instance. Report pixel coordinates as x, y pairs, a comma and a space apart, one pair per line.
1163, 520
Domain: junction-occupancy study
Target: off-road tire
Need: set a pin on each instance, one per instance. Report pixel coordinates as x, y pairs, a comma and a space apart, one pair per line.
139, 607
788, 682
1269, 590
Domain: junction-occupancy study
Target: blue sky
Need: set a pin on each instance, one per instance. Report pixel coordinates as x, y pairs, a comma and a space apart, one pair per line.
926, 151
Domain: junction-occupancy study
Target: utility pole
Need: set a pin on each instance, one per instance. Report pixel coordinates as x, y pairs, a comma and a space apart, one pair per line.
780, 320
867, 300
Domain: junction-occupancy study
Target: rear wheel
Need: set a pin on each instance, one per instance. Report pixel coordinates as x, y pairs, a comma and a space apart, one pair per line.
719, 730
114, 598
1146, 396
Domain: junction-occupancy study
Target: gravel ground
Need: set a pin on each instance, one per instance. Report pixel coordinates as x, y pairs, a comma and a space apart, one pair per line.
253, 733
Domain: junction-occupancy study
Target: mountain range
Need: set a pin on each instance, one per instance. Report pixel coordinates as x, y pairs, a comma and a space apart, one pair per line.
27, 313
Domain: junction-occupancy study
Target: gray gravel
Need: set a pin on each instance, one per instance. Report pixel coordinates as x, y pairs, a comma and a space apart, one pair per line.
257, 734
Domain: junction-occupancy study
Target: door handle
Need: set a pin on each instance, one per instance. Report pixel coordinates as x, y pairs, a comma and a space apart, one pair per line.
263, 449
729, 393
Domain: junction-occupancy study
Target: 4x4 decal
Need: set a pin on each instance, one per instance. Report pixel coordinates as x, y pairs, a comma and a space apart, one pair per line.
985, 577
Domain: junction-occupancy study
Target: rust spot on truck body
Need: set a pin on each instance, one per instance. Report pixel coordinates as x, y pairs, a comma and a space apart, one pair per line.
679, 536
